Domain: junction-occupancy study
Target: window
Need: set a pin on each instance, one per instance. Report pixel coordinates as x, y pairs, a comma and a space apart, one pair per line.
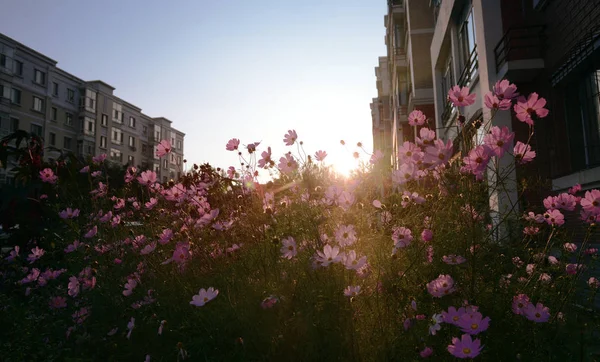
39, 77
144, 130
4, 91
38, 104
102, 142
131, 141
172, 158
69, 119
14, 124
447, 77
90, 126
154, 153
116, 155
3, 61
52, 139
15, 96
178, 145
157, 167
130, 160
117, 136
117, 113
165, 163
104, 120
67, 143
37, 129
466, 38
157, 133
18, 68
55, 89
54, 115
582, 103
131, 122
178, 160
144, 148
70, 95
90, 100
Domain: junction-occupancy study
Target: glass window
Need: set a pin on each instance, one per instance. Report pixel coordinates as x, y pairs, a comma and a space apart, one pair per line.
52, 139
18, 67
54, 114
90, 126
15, 96
67, 143
70, 95
38, 104
466, 37
55, 89
131, 122
117, 113
131, 141
69, 119
39, 77
104, 121
14, 124
37, 130
102, 142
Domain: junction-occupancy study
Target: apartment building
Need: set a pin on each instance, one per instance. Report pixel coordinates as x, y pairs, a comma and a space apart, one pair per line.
408, 80
84, 117
546, 46
381, 112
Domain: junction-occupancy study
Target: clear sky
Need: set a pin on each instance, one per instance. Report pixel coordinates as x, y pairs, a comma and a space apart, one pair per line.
223, 69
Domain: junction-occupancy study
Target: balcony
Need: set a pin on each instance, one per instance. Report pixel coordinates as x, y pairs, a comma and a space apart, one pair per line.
469, 73
396, 6
520, 53
400, 57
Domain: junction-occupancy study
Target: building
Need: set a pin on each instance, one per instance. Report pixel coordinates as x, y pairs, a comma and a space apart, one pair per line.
407, 81
84, 117
381, 111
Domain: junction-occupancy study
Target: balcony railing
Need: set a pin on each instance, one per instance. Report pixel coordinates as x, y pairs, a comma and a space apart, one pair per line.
520, 43
470, 70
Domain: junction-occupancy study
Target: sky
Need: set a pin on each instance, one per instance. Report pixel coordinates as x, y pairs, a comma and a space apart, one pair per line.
223, 69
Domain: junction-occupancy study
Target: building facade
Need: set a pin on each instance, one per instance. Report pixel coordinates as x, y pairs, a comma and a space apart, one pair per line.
407, 81
84, 117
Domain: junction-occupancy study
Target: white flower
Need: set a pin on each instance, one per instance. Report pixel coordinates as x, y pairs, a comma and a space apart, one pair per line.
204, 296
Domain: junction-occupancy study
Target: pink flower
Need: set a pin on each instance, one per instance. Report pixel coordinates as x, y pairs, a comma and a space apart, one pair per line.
453, 259
99, 159
147, 178
163, 148
328, 256
345, 235
251, 147
204, 296
572, 269
537, 313
96, 174
91, 233
588, 251
439, 153
441, 286
575, 189
552, 260
426, 352
554, 217
453, 315
491, 101
150, 204
410, 153
266, 160
72, 247
416, 118
47, 175
86, 169
503, 89
269, 302
73, 286
473, 323
377, 204
160, 328
570, 247
402, 237
524, 109
351, 261
405, 173
13, 254
165, 236
287, 164
523, 153
288, 248
182, 253
375, 157
129, 286
591, 201
148, 248
477, 160
460, 96
232, 144
58, 302
520, 303
499, 140
593, 283
290, 138
426, 235
130, 327
531, 230
465, 347
68, 213
36, 253
320, 155
352, 291
426, 137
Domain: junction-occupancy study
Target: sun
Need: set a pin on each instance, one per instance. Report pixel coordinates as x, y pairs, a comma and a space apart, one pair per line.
344, 164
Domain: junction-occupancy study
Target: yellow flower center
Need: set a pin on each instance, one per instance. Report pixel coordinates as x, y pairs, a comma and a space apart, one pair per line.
466, 351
